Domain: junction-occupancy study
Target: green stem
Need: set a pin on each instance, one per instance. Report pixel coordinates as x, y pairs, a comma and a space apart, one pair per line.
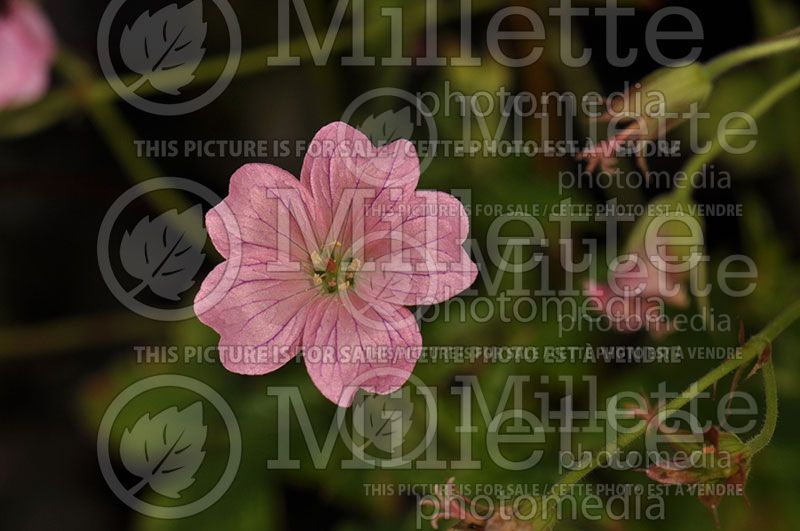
752, 349
61, 103
115, 130
725, 62
77, 334
760, 441
761, 106
120, 138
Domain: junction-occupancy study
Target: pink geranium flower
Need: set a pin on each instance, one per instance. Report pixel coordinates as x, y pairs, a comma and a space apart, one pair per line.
637, 275
628, 313
329, 263
637, 291
27, 49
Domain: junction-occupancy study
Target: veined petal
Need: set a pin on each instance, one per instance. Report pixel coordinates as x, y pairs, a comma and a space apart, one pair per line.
419, 259
259, 316
353, 183
265, 219
349, 344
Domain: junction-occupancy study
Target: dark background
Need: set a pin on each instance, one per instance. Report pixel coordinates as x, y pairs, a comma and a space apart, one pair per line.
65, 341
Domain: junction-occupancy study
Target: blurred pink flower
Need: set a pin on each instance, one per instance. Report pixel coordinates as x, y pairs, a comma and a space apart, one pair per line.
449, 504
328, 264
628, 313
27, 49
604, 153
637, 275
636, 294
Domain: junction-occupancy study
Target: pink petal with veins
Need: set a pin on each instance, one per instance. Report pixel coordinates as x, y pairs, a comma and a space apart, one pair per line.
351, 344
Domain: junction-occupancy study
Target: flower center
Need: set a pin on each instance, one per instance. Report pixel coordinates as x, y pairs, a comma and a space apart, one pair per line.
332, 270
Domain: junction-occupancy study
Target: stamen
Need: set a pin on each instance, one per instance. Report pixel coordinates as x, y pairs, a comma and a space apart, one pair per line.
317, 261
331, 270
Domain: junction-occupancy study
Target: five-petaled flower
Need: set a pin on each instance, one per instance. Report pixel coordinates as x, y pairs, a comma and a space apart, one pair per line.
328, 264
27, 49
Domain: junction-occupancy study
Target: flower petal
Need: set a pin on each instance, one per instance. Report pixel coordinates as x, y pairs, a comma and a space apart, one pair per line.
264, 219
637, 275
27, 49
257, 300
349, 344
353, 182
628, 314
259, 316
419, 259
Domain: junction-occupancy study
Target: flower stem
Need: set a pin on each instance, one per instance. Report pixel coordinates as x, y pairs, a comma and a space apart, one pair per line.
82, 333
760, 441
752, 349
725, 62
60, 103
761, 106
120, 139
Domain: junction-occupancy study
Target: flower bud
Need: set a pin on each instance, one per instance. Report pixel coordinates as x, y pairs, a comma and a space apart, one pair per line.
662, 100
27, 50
671, 93
723, 465
668, 243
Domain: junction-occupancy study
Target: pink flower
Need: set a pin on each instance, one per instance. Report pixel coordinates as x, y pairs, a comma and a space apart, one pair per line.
328, 264
629, 313
637, 291
27, 49
637, 275
449, 504
604, 153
